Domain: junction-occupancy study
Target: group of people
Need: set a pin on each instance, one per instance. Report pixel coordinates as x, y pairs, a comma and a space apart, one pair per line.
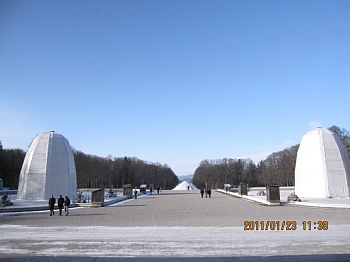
207, 192
60, 203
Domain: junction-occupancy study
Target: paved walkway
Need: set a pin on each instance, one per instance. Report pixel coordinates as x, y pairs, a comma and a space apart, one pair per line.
177, 225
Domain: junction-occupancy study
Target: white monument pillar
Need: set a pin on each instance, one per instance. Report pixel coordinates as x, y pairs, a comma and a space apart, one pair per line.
48, 169
323, 167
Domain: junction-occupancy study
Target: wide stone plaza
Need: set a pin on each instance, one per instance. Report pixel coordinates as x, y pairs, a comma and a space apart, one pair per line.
176, 226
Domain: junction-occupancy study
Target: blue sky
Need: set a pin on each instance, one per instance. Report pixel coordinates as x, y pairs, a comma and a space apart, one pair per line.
174, 82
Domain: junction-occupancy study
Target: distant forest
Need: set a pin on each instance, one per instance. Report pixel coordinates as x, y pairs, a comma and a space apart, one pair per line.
277, 169
94, 172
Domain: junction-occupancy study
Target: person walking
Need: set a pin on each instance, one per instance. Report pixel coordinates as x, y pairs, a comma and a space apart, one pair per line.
66, 205
52, 202
202, 192
60, 202
135, 193
209, 193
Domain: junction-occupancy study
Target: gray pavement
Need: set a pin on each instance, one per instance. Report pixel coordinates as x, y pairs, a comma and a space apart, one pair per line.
177, 225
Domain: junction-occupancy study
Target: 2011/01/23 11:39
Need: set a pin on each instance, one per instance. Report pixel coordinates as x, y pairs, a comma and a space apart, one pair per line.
284, 225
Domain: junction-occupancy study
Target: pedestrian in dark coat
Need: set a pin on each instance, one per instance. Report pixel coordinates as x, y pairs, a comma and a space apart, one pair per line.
209, 193
202, 192
60, 203
52, 202
66, 205
135, 193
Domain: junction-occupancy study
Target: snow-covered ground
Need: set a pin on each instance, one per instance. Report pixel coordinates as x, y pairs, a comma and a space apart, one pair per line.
169, 241
185, 186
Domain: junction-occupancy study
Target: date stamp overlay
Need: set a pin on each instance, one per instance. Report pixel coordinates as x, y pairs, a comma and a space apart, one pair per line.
285, 225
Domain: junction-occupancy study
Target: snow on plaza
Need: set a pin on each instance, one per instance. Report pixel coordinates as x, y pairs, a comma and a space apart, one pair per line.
175, 224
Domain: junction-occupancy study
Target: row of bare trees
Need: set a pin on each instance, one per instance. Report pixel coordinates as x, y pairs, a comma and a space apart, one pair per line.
95, 172
11, 161
277, 169
216, 173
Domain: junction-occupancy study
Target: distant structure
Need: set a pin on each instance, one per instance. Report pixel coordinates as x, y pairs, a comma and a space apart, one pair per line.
48, 169
323, 167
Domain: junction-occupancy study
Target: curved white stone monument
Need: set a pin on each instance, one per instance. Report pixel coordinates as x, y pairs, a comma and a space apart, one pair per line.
48, 169
323, 167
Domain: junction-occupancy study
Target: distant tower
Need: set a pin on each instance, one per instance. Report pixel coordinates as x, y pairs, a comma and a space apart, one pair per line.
323, 167
48, 169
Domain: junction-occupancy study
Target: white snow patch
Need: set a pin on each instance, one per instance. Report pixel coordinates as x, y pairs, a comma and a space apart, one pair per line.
185, 186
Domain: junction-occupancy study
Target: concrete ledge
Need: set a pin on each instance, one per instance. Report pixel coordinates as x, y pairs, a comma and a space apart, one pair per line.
249, 198
14, 208
18, 207
104, 204
119, 199
305, 202
325, 205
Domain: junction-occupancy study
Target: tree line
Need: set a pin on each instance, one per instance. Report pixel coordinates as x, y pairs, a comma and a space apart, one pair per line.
277, 169
95, 172
215, 173
11, 161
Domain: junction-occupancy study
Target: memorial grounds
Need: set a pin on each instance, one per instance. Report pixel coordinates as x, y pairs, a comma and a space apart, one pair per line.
179, 226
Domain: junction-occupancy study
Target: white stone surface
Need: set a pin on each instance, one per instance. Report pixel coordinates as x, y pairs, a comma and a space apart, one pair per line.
322, 167
48, 169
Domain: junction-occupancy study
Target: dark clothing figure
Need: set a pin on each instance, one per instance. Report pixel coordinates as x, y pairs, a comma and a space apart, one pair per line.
135, 193
209, 193
150, 191
60, 203
188, 187
202, 192
4, 197
66, 205
52, 202
158, 188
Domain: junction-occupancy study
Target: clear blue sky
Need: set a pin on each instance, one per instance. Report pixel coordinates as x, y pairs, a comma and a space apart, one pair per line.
174, 82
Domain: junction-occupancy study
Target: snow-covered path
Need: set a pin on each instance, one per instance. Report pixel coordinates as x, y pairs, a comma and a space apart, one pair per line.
184, 185
169, 241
